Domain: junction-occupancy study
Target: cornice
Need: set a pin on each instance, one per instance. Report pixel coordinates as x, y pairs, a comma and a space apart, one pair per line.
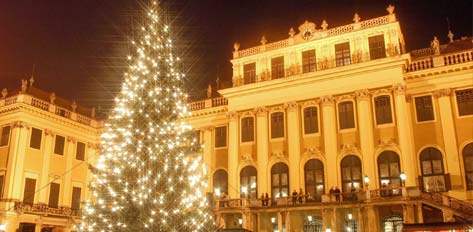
437, 71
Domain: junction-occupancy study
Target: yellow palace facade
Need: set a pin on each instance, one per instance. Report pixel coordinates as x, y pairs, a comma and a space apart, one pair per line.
342, 108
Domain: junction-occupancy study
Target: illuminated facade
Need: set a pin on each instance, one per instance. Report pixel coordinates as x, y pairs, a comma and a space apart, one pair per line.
347, 107
46, 143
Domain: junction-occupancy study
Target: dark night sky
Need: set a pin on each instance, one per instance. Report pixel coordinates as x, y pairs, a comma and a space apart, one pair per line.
79, 46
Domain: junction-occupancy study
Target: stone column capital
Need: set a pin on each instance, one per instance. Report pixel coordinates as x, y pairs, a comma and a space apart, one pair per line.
260, 111
232, 115
447, 92
49, 132
208, 128
327, 100
362, 94
292, 105
399, 89
71, 139
21, 124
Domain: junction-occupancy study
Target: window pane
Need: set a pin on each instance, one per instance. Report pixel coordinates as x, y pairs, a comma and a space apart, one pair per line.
465, 101
376, 46
308, 61
437, 166
310, 120
346, 115
277, 125
247, 129
29, 191
5, 136
383, 170
342, 54
80, 151
277, 67
35, 141
383, 110
424, 108
221, 136
53, 195
249, 73
76, 192
59, 145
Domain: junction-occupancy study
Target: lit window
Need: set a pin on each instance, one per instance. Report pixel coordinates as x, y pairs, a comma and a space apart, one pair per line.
468, 163
248, 182
279, 180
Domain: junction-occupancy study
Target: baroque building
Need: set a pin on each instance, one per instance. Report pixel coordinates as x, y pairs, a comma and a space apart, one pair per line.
46, 143
344, 108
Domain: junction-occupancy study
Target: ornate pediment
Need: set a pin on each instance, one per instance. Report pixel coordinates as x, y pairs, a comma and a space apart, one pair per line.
307, 30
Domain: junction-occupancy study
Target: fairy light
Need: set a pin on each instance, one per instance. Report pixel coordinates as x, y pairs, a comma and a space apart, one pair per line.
146, 163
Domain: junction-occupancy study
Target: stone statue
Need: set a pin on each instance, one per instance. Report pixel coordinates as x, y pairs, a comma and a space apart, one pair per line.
24, 84
324, 25
218, 83
52, 98
390, 9
356, 18
263, 40
74, 106
435, 45
450, 36
236, 46
209, 91
4, 92
31, 81
92, 113
291, 32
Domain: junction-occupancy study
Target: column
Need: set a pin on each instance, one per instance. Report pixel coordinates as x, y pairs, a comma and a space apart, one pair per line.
91, 159
288, 221
365, 124
279, 221
294, 144
449, 137
16, 160
333, 219
262, 148
67, 179
330, 139
408, 213
233, 145
361, 225
420, 216
405, 136
44, 181
372, 219
208, 155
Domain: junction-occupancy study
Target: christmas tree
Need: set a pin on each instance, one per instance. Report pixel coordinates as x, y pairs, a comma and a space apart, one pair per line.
149, 176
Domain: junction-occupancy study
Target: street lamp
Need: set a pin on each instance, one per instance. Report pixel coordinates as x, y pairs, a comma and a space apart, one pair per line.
309, 218
403, 177
273, 220
328, 230
240, 221
217, 192
366, 179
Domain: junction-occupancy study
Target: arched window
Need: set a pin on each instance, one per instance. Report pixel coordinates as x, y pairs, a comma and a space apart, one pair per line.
221, 181
247, 129
389, 169
468, 163
351, 173
279, 180
432, 170
314, 179
383, 109
248, 182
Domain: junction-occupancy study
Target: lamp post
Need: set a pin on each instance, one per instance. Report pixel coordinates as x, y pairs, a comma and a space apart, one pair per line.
366, 179
403, 177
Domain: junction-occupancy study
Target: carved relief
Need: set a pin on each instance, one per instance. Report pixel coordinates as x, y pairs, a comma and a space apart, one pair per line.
4, 92
247, 157
71, 139
21, 124
311, 103
49, 132
348, 148
443, 93
345, 97
382, 91
327, 100
362, 94
260, 110
232, 115
279, 155
399, 89
293, 105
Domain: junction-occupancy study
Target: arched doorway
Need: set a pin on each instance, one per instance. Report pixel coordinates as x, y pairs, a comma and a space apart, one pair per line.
248, 182
314, 179
433, 176
279, 180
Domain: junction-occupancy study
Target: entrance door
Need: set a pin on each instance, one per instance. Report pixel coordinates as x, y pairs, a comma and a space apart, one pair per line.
314, 225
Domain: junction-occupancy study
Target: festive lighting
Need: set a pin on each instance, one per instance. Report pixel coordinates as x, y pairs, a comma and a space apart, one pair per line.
149, 176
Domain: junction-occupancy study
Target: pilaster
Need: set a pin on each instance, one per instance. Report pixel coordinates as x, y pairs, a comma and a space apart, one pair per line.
262, 148
16, 160
330, 137
67, 180
233, 146
294, 144
44, 181
208, 154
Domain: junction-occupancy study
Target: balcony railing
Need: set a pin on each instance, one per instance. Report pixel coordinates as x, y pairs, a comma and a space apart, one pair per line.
50, 107
208, 103
22, 207
431, 61
455, 204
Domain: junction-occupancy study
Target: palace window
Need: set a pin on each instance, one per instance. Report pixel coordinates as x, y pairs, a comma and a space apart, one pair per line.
311, 124
277, 67
59, 145
308, 61
389, 169
80, 151
314, 179
342, 54
346, 118
468, 163
464, 101
35, 140
76, 192
277, 125
247, 129
377, 48
383, 110
433, 178
5, 136
279, 180
2, 183
221, 136
248, 182
221, 181
351, 173
29, 191
53, 195
249, 73
424, 108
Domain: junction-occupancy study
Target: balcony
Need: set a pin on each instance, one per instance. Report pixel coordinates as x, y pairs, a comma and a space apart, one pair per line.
44, 209
208, 103
427, 60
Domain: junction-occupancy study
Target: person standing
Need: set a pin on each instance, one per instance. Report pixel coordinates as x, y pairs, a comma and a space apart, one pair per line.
294, 197
300, 196
337, 194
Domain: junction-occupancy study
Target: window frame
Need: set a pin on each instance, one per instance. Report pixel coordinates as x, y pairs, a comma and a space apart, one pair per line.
279, 186
31, 137
8, 136
249, 169
433, 108
354, 128
311, 67
283, 137
72, 197
281, 71
303, 120
241, 130
250, 81
421, 165
457, 109
226, 137
467, 171
390, 177
63, 148
85, 151
343, 181
35, 177
226, 180
383, 48
316, 182
58, 194
373, 103
343, 57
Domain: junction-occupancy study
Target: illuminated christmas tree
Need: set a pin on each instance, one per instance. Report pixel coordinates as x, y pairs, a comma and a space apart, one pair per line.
149, 176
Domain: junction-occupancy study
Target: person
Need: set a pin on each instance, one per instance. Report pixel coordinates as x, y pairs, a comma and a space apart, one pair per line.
383, 189
299, 197
353, 193
266, 199
263, 201
337, 194
294, 197
331, 192
390, 189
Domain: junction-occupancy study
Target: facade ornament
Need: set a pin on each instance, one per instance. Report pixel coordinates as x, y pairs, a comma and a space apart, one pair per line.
435, 45
31, 81
450, 36
345, 97
399, 89
327, 100
311, 103
52, 97
324, 25
356, 56
408, 97
71, 139
23, 85
386, 142
74, 106
49, 132
293, 105
232, 115
279, 155
218, 83
92, 112
349, 148
362, 94
236, 46
312, 150
4, 92
247, 157
443, 93
21, 124
291, 32
392, 50
390, 9
324, 63
209, 91
307, 30
263, 40
382, 91
260, 110
356, 18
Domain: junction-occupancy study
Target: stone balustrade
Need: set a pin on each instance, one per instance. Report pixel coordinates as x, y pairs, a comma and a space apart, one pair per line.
433, 61
44, 209
207, 103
